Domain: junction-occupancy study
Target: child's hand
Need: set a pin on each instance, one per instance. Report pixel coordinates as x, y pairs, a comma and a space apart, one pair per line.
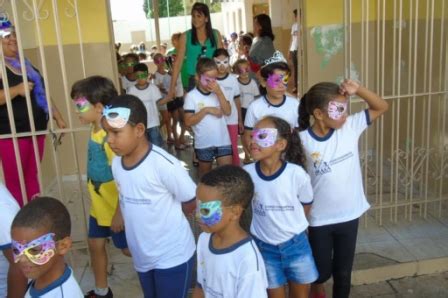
214, 111
240, 127
349, 87
214, 87
117, 224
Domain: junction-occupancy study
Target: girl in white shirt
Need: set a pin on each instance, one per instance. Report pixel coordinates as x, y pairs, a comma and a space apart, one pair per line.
331, 146
283, 197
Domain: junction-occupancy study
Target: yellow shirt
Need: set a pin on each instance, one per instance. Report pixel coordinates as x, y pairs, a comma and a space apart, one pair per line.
102, 189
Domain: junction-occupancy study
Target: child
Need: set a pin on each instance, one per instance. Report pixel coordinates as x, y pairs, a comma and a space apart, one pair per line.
229, 86
151, 97
283, 197
275, 76
12, 281
331, 146
129, 79
228, 261
152, 186
244, 46
160, 79
90, 96
204, 107
40, 239
248, 92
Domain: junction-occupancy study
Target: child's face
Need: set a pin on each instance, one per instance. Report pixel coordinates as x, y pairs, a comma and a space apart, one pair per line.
208, 79
243, 70
242, 48
35, 251
277, 82
223, 64
334, 114
130, 63
142, 77
265, 140
86, 112
212, 214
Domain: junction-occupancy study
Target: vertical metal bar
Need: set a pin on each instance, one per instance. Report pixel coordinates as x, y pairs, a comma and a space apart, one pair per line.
393, 156
381, 155
397, 137
377, 87
81, 43
443, 113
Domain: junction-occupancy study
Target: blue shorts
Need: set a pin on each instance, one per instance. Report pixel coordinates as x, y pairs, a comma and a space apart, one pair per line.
96, 231
289, 261
171, 282
154, 136
211, 153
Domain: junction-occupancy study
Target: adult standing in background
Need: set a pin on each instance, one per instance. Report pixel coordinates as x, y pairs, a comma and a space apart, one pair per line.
263, 44
293, 49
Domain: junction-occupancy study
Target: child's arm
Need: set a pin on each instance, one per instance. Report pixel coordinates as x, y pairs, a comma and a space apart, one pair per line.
165, 100
306, 209
117, 224
177, 64
377, 105
240, 115
223, 102
198, 293
189, 207
194, 118
16, 281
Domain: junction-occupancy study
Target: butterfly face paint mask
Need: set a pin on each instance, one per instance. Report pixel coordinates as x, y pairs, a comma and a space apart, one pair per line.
142, 76
206, 80
274, 80
224, 62
336, 109
209, 213
116, 117
82, 105
264, 137
39, 251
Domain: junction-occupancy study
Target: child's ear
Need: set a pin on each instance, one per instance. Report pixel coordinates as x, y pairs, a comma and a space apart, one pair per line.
281, 145
318, 114
99, 107
237, 212
140, 129
63, 246
263, 82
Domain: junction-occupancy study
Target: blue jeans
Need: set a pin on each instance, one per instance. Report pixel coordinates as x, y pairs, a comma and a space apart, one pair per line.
154, 136
172, 282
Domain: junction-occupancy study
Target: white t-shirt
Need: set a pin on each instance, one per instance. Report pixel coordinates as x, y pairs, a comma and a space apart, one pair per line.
151, 197
234, 272
65, 286
9, 209
126, 83
211, 131
277, 209
335, 171
248, 92
161, 79
261, 107
149, 96
229, 86
294, 37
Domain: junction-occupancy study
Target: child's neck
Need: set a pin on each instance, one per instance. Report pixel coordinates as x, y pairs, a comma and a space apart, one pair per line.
244, 80
142, 85
275, 99
222, 75
131, 76
96, 125
137, 154
202, 89
56, 271
161, 71
320, 129
228, 236
270, 165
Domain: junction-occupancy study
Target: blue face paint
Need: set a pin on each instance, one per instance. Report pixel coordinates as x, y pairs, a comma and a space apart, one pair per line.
210, 213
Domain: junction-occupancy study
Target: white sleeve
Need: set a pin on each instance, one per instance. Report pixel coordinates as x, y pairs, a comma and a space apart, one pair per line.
8, 211
250, 120
199, 261
359, 121
305, 192
236, 88
189, 105
255, 89
178, 182
156, 95
252, 281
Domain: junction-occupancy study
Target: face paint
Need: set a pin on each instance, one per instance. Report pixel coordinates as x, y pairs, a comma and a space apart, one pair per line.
116, 117
264, 137
336, 109
82, 105
244, 70
142, 75
209, 213
131, 64
206, 80
159, 60
39, 251
274, 80
224, 62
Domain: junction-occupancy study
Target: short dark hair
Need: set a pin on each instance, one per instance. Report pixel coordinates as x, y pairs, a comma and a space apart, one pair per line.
131, 56
138, 109
246, 40
221, 52
233, 183
141, 67
96, 89
295, 12
205, 64
45, 212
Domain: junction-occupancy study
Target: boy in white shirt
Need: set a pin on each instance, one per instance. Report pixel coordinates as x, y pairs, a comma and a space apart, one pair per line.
12, 281
128, 79
40, 239
228, 261
153, 188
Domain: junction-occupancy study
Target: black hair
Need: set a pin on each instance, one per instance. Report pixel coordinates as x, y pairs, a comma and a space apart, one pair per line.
141, 67
246, 40
233, 183
138, 109
236, 65
294, 151
96, 89
205, 64
265, 23
316, 98
202, 9
221, 52
270, 68
45, 212
133, 56
295, 12
142, 56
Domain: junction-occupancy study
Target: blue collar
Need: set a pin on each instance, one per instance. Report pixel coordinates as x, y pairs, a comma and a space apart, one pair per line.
318, 138
229, 249
273, 176
273, 105
57, 283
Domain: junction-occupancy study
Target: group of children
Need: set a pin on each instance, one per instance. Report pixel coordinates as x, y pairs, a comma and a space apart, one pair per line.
304, 189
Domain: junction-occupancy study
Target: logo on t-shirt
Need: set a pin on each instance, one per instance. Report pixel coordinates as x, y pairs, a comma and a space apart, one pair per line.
201, 105
258, 207
320, 167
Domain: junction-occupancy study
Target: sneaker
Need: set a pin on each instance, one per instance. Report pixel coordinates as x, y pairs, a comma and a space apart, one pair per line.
91, 294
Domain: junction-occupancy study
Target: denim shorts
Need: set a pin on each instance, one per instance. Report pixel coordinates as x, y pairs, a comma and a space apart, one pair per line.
210, 153
288, 261
154, 136
96, 231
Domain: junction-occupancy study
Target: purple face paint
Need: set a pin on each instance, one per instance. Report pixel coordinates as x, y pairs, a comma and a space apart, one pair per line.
206, 80
264, 137
39, 251
274, 80
336, 109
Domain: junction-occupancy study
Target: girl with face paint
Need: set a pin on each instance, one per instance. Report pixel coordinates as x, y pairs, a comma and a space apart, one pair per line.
283, 197
331, 146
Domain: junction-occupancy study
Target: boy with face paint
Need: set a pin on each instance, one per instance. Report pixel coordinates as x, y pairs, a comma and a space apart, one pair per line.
129, 79
229, 263
90, 96
40, 239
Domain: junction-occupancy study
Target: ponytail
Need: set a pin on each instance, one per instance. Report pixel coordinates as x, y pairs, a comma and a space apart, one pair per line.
304, 116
